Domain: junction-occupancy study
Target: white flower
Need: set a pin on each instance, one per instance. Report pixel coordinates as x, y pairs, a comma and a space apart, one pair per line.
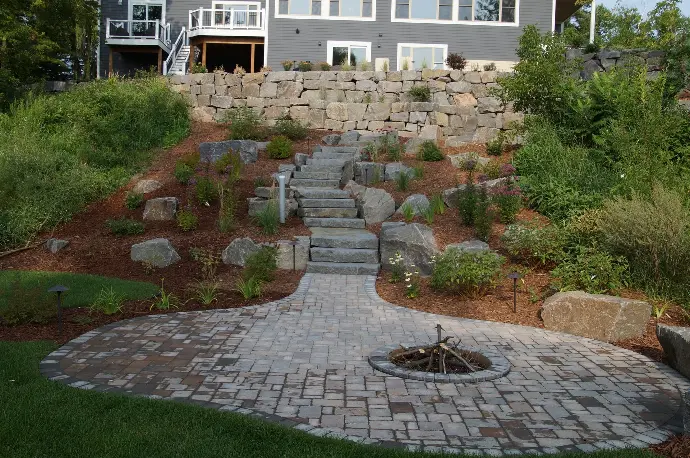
409, 286
622, 175
593, 277
407, 279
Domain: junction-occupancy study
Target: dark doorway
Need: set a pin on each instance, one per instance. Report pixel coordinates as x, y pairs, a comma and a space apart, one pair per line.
127, 63
230, 55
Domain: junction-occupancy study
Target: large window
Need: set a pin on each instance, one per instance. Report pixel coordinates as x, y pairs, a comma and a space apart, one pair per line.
234, 14
144, 16
300, 7
348, 52
481, 11
351, 8
418, 56
364, 10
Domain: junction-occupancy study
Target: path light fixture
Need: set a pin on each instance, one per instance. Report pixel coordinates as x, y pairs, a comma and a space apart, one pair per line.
59, 289
514, 276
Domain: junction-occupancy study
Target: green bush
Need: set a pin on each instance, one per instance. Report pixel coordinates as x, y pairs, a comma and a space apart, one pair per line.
468, 197
466, 272
125, 226
591, 270
59, 153
184, 170
245, 124
531, 244
494, 147
429, 152
261, 265
279, 148
108, 302
268, 218
186, 220
228, 206
402, 181
134, 200
26, 304
483, 215
419, 93
229, 163
508, 199
304, 66
290, 128
206, 190
249, 289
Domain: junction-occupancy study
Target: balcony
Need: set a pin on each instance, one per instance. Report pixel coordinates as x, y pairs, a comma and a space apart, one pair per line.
137, 33
234, 21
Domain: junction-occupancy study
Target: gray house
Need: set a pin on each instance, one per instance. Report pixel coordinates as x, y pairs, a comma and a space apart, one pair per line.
172, 35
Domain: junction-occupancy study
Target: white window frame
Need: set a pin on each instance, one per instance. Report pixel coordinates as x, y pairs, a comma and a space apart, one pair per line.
147, 2
342, 44
325, 13
361, 8
455, 20
421, 45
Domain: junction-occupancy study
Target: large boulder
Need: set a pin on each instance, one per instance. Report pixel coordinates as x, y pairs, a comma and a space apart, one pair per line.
55, 245
597, 316
349, 137
146, 186
394, 169
675, 341
212, 151
331, 139
367, 173
258, 204
415, 243
418, 202
374, 205
160, 209
239, 250
156, 252
470, 246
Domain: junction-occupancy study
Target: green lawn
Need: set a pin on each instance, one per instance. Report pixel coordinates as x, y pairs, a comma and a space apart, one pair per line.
40, 418
83, 289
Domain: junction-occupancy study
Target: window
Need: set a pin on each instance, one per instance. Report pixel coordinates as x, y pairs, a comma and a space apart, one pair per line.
465, 10
144, 16
300, 7
421, 56
348, 52
424, 9
499, 12
243, 14
351, 8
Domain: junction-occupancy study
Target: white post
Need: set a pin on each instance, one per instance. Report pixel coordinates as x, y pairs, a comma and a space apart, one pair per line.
281, 197
593, 21
157, 30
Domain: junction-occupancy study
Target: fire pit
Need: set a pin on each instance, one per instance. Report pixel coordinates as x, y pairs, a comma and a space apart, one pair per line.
445, 361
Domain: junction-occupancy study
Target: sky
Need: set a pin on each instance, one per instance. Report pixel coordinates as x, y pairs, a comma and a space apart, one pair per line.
645, 5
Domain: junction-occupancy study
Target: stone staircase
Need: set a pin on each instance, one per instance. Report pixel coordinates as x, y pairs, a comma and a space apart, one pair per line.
339, 243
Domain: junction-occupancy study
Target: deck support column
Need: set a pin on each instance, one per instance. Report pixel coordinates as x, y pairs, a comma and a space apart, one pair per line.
110, 62
160, 61
252, 60
203, 54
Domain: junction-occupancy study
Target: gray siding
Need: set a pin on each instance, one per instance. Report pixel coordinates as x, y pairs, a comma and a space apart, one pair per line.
476, 42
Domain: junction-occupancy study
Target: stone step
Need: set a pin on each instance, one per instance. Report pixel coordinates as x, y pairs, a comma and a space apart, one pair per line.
339, 156
326, 203
322, 168
317, 175
327, 162
337, 149
328, 212
345, 255
319, 193
354, 223
354, 241
342, 269
306, 183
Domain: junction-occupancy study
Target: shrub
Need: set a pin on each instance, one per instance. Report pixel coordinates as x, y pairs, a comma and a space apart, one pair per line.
245, 124
531, 244
261, 265
108, 302
508, 199
412, 287
402, 181
183, 172
26, 304
134, 200
437, 204
288, 65
290, 128
456, 61
483, 215
324, 66
249, 289
466, 272
60, 152
591, 270
239, 70
268, 218
407, 211
592, 47
205, 291
228, 206
206, 191
304, 66
198, 68
490, 67
429, 152
491, 170
279, 148
265, 69
186, 220
468, 198
494, 147
428, 214
419, 93
124, 226
397, 268
165, 300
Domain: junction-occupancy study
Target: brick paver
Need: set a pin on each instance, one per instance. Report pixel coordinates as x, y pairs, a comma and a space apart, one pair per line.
302, 361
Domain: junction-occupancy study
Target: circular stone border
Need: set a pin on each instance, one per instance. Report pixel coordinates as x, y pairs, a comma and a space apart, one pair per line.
499, 367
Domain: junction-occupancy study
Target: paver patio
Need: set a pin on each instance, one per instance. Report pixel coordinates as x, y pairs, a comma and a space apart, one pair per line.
302, 361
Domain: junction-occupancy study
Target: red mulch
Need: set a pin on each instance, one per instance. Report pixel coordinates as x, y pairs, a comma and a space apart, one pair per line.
676, 447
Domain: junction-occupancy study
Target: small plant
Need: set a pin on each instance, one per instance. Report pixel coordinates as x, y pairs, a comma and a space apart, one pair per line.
230, 163
429, 152
367, 98
208, 260
134, 200
199, 68
467, 202
26, 304
304, 66
228, 206
397, 268
290, 128
245, 124
466, 272
385, 66
659, 310
365, 66
183, 172
370, 152
483, 217
491, 170
407, 211
125, 226
186, 220
375, 176
428, 214
279, 148
249, 289
494, 147
490, 67
265, 69
391, 149
456, 61
260, 182
261, 265
288, 65
592, 48
239, 70
508, 199
507, 170
268, 218
346, 67
425, 64
402, 181
219, 69
324, 66
418, 171
419, 93
205, 190
530, 244
405, 64
412, 284
591, 270
108, 302
206, 292
437, 204
165, 300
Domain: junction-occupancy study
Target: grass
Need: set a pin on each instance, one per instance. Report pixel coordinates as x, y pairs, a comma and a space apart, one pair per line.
43, 418
83, 289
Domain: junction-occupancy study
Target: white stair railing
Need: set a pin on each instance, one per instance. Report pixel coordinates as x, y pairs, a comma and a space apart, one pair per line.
175, 51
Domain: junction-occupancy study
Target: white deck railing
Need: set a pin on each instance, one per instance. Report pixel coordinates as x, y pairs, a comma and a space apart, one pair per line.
179, 43
237, 18
123, 29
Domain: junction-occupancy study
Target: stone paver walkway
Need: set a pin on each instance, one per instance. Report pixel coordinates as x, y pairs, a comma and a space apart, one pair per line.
302, 361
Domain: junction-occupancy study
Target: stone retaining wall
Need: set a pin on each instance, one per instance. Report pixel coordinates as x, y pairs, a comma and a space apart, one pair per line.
461, 107
605, 59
